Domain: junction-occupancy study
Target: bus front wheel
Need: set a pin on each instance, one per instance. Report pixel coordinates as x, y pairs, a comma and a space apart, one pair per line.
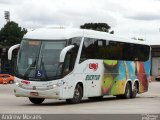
77, 97
36, 100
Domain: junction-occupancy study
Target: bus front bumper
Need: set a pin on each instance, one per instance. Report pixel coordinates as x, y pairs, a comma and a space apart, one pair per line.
53, 93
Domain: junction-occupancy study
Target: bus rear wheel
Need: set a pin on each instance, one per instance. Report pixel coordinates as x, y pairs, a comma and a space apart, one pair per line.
77, 97
135, 90
36, 100
127, 94
128, 91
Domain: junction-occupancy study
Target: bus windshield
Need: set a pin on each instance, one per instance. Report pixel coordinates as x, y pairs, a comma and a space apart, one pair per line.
39, 59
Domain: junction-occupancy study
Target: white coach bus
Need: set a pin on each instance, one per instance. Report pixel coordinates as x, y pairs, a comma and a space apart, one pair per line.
74, 63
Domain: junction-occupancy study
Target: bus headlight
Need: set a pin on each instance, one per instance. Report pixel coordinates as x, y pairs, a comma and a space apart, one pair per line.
55, 85
18, 84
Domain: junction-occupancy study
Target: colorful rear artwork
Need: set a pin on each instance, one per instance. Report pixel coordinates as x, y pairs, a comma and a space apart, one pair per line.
117, 72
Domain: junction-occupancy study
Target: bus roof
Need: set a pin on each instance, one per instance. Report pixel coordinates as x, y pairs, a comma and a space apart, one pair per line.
62, 33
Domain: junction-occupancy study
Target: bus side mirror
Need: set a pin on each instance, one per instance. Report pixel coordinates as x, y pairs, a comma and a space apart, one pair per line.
64, 52
11, 50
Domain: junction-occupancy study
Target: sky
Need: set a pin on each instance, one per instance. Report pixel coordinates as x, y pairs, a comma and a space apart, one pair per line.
128, 18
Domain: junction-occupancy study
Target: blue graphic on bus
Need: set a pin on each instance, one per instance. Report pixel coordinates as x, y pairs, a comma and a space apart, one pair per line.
39, 73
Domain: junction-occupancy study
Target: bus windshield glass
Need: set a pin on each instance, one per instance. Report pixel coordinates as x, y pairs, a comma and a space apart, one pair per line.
39, 59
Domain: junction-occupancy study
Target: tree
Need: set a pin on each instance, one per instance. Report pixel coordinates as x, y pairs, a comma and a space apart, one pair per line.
11, 34
97, 26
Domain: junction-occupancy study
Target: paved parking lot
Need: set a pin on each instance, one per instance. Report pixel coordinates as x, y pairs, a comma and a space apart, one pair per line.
148, 102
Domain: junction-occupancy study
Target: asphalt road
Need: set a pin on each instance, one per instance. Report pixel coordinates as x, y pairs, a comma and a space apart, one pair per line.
145, 103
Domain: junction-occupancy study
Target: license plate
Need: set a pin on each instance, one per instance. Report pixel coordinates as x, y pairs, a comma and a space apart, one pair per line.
34, 93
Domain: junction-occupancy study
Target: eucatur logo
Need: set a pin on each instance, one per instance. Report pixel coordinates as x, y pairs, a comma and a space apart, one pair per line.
93, 66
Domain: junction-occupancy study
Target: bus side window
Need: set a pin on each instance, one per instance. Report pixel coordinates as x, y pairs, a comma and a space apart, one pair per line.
142, 52
87, 50
100, 49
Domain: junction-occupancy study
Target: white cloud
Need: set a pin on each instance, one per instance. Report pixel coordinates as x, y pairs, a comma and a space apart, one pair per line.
129, 18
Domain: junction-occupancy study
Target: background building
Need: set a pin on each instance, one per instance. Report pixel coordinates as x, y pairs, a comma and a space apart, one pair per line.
6, 66
155, 59
4, 63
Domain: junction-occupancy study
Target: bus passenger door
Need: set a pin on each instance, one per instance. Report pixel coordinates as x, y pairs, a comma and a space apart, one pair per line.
92, 84
90, 69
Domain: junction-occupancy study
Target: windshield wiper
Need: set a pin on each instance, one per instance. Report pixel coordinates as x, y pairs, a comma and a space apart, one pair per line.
44, 70
42, 67
31, 66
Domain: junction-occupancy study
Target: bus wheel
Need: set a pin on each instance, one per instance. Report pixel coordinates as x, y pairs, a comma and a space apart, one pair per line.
78, 93
36, 100
135, 90
128, 91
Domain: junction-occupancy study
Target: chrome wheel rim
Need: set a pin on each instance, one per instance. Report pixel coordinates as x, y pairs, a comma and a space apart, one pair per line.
76, 94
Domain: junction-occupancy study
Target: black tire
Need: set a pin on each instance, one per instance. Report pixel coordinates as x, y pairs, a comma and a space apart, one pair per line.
36, 100
128, 92
135, 90
96, 98
78, 94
